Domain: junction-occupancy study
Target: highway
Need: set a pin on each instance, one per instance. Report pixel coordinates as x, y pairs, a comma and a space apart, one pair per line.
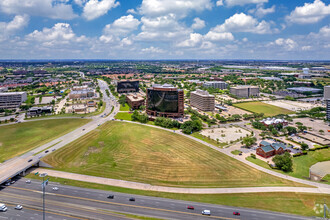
13, 167
79, 203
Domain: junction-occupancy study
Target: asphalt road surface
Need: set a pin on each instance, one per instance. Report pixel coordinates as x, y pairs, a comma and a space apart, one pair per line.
78, 203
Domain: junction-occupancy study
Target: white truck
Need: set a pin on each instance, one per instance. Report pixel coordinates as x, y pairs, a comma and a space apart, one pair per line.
3, 207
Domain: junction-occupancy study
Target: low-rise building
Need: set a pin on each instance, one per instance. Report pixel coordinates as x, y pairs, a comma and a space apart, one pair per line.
267, 149
216, 84
274, 121
39, 110
134, 101
82, 94
12, 100
303, 90
202, 100
245, 91
327, 100
78, 88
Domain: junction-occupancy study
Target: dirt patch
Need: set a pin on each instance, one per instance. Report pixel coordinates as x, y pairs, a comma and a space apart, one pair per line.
92, 150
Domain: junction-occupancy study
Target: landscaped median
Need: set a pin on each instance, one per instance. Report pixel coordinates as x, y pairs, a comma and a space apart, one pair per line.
149, 155
17, 139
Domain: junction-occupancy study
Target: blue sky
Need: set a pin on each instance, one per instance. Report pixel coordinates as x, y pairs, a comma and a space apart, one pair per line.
165, 29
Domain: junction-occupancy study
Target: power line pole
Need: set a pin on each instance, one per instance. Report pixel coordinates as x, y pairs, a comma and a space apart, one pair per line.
44, 183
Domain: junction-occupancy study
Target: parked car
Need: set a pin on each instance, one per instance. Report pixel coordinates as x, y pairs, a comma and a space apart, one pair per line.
132, 199
111, 197
206, 212
236, 213
240, 154
190, 207
18, 207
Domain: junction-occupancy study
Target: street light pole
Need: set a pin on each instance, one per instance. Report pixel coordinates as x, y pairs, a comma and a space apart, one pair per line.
44, 183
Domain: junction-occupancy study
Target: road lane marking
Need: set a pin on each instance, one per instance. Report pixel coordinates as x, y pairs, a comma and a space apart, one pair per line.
127, 205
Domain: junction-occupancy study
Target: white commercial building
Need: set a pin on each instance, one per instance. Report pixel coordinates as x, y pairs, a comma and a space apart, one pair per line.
12, 100
245, 91
202, 100
216, 84
327, 100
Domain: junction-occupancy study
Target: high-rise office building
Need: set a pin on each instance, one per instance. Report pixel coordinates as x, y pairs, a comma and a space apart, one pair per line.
165, 101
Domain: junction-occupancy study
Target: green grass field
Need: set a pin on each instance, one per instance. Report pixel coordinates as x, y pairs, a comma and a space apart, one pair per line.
139, 153
260, 107
236, 152
124, 108
293, 203
124, 116
19, 138
301, 164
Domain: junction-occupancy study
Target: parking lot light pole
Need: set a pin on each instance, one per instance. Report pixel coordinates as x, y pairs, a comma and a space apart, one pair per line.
44, 183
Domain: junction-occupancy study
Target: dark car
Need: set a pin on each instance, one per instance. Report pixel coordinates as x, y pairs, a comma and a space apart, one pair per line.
190, 207
111, 196
132, 199
46, 151
236, 213
30, 160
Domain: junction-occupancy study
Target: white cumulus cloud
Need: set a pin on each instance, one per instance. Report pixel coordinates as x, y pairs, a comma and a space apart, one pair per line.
244, 23
309, 13
95, 8
46, 8
198, 24
178, 7
219, 36
243, 2
152, 50
194, 40
260, 11
7, 29
287, 44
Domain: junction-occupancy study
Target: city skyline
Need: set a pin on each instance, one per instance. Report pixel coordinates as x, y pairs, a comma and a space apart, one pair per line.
173, 29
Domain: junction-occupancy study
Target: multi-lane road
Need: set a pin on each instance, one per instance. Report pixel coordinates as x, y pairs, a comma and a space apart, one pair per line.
79, 203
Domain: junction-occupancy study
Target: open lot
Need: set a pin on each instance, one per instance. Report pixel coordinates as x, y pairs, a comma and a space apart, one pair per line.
225, 134
292, 105
260, 107
19, 138
139, 153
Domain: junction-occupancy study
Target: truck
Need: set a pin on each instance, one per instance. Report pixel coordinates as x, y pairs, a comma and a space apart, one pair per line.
3, 207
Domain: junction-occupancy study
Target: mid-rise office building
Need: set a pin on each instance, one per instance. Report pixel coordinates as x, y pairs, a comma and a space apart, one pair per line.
202, 100
39, 110
12, 100
216, 84
327, 100
127, 86
245, 91
165, 101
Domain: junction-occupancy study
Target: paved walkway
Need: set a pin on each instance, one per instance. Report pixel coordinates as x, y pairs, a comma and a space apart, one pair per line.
143, 186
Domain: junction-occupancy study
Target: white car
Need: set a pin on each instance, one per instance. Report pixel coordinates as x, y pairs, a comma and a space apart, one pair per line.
55, 188
28, 181
206, 212
18, 207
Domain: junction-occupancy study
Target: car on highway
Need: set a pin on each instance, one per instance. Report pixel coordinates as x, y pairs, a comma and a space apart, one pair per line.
54, 149
206, 212
190, 207
236, 213
28, 181
55, 188
30, 160
83, 129
46, 151
132, 199
111, 197
12, 182
7, 184
3, 207
18, 207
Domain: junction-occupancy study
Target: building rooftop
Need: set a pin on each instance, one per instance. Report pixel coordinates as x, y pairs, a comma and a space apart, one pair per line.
267, 148
244, 87
11, 93
135, 98
202, 93
277, 146
304, 89
271, 78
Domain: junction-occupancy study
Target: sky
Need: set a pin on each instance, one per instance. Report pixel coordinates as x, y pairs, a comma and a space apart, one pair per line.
165, 29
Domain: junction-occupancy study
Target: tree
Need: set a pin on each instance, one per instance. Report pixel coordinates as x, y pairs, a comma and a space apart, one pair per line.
302, 128
283, 162
249, 141
304, 146
321, 131
122, 100
291, 130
